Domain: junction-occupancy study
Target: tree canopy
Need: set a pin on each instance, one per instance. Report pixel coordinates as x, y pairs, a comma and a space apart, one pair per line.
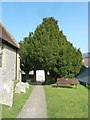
48, 49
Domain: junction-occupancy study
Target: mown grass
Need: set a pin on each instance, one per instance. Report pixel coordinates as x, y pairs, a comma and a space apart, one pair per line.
18, 102
67, 102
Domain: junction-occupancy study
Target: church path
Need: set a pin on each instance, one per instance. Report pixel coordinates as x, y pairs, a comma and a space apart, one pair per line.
35, 106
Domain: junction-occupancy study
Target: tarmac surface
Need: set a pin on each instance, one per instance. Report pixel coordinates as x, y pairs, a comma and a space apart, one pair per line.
35, 107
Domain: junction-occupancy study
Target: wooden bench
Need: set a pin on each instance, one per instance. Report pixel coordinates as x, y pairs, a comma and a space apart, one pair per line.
71, 81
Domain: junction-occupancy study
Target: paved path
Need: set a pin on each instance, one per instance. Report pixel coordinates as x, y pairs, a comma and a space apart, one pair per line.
35, 106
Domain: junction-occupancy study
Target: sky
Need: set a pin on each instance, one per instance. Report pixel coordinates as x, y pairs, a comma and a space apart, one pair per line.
20, 18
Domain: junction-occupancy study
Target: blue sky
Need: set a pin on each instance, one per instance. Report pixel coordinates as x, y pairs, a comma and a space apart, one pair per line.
20, 18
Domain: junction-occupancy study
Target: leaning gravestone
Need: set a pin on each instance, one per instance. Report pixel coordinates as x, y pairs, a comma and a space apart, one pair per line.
17, 89
21, 87
27, 85
6, 92
0, 111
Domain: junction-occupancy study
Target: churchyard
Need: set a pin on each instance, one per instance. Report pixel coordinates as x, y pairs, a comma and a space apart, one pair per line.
44, 53
62, 102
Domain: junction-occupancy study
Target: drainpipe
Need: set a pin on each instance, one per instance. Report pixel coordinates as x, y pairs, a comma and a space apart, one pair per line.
16, 66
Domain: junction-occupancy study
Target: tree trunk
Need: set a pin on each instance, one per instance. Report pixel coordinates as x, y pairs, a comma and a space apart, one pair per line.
34, 75
27, 76
45, 75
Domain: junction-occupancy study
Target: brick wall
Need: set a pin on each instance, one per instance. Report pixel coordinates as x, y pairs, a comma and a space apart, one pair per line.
86, 62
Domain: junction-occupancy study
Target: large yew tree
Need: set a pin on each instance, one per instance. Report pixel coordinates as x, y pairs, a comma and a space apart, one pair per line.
48, 48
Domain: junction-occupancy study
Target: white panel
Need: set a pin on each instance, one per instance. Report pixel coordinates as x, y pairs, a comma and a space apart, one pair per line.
40, 75
6, 93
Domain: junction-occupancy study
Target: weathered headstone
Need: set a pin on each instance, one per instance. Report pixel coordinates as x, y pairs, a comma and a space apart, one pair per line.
6, 92
21, 87
0, 111
27, 85
17, 89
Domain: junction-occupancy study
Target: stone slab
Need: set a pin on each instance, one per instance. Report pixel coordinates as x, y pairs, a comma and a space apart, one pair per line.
6, 92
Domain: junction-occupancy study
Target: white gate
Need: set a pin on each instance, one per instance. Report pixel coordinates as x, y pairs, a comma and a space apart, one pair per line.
40, 75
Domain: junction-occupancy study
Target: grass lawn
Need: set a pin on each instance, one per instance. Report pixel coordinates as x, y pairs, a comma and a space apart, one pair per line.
18, 102
67, 102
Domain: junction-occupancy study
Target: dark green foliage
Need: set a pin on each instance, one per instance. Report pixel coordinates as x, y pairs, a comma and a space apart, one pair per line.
26, 51
49, 80
47, 48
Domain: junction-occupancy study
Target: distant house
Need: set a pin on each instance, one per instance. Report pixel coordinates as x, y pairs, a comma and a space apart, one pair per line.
86, 59
9, 56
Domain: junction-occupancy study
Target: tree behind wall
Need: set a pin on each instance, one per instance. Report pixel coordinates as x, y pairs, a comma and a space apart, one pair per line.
48, 48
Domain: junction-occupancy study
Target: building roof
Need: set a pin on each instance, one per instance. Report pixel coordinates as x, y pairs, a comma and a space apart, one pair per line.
7, 37
84, 76
86, 55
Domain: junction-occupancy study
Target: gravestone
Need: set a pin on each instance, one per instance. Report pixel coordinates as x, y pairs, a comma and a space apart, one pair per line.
17, 89
40, 75
21, 87
6, 92
27, 85
0, 111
